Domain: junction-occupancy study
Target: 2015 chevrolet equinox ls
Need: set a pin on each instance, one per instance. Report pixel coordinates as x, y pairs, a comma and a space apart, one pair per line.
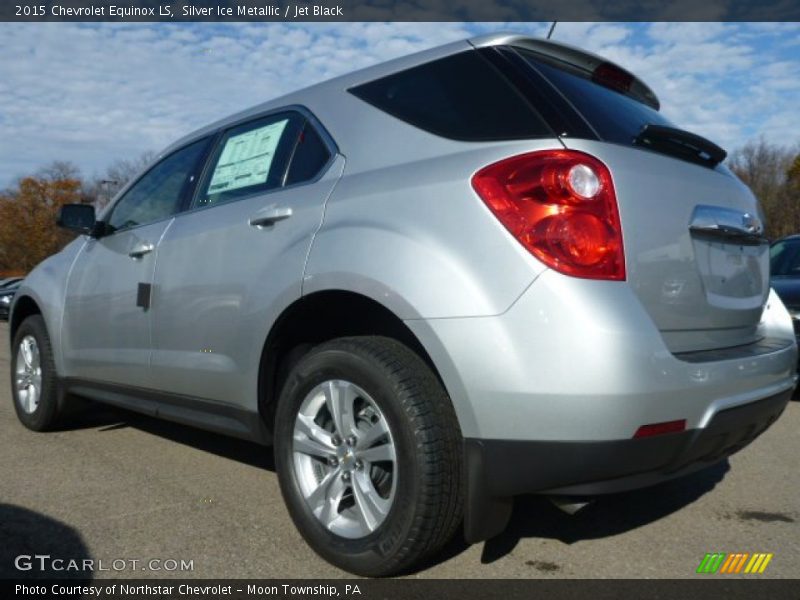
488, 269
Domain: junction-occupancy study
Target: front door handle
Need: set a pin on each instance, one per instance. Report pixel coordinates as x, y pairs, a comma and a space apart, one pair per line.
140, 249
270, 215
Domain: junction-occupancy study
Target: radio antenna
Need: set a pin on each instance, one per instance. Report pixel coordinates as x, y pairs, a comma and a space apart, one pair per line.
552, 29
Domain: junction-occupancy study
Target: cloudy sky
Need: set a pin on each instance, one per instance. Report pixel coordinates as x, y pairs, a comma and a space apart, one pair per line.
92, 93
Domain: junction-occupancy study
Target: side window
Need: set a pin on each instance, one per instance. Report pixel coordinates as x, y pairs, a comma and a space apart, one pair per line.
310, 155
158, 193
249, 159
461, 97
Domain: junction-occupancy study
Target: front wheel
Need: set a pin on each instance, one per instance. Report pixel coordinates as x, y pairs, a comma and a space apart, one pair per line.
33, 377
368, 452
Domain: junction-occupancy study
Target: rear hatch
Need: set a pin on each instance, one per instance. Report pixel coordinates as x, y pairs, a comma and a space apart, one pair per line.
694, 250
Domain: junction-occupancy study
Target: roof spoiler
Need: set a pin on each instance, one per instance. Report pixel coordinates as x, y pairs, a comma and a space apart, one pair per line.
601, 70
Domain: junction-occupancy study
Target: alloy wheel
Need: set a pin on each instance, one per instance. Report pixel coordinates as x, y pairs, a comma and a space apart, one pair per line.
28, 374
344, 458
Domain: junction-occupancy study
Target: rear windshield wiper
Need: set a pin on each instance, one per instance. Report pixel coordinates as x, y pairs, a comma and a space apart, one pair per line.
680, 144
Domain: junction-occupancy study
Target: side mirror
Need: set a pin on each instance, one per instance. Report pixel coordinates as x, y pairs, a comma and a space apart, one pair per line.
79, 218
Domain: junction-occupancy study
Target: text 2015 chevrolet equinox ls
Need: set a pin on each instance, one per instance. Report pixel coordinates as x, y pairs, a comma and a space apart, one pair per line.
488, 269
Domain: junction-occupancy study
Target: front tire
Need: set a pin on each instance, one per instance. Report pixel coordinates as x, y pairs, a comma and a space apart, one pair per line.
34, 383
368, 452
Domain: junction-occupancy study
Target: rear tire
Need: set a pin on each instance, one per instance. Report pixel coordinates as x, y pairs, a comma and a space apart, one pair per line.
34, 382
402, 502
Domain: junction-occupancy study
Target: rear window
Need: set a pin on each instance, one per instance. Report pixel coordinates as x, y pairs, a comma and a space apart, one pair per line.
461, 97
614, 116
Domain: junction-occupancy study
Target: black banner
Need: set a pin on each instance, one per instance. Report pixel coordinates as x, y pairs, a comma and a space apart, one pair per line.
121, 11
414, 589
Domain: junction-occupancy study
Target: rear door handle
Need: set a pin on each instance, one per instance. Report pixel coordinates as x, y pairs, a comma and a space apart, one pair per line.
270, 215
140, 249
727, 225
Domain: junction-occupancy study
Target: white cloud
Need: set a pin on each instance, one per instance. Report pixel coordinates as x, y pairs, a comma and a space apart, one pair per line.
94, 93
727, 81
686, 32
91, 94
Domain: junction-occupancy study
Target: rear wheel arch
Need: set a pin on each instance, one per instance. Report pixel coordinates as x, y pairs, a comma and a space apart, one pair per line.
317, 318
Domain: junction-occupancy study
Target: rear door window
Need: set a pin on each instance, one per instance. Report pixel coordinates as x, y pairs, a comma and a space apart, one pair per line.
249, 159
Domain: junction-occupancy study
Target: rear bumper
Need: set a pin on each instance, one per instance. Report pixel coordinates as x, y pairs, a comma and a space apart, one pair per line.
550, 393
501, 469
581, 360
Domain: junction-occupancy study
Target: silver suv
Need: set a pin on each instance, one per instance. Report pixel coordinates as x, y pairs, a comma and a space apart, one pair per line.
487, 269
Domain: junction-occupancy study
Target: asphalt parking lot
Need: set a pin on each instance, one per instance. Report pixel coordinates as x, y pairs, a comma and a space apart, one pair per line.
121, 486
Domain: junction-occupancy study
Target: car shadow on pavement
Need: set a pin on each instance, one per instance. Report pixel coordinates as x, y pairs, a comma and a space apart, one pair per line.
532, 517
108, 419
26, 534
606, 516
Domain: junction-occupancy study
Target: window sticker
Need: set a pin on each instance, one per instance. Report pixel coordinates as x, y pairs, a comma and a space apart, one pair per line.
246, 158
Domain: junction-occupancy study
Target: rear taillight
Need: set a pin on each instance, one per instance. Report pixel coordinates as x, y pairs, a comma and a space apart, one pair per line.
560, 205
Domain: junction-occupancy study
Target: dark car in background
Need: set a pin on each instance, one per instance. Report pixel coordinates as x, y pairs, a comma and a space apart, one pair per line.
785, 275
8, 287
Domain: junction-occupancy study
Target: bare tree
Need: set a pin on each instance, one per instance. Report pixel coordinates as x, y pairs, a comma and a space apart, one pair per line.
773, 173
59, 170
104, 187
123, 170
